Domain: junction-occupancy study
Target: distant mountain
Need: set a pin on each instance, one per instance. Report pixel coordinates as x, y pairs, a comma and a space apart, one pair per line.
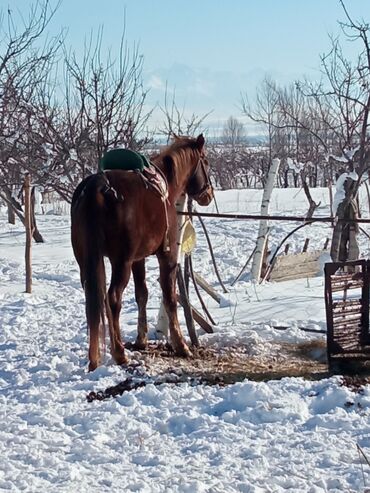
200, 91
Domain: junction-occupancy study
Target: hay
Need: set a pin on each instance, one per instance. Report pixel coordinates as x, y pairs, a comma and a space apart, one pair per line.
232, 364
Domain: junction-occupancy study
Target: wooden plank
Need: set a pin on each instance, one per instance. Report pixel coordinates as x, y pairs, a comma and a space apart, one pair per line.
296, 266
346, 303
350, 285
347, 310
298, 258
292, 277
347, 316
296, 273
207, 287
199, 319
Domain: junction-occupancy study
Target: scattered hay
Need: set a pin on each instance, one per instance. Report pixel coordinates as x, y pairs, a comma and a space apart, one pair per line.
226, 365
235, 363
218, 366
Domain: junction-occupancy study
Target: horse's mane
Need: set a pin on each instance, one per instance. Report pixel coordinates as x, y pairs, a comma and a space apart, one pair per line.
176, 155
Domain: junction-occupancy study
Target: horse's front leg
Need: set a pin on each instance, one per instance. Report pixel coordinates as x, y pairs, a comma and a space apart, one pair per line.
141, 296
168, 271
120, 276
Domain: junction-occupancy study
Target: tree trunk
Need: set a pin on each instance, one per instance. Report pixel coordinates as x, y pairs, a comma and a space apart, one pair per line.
344, 242
17, 210
35, 231
11, 215
263, 228
312, 204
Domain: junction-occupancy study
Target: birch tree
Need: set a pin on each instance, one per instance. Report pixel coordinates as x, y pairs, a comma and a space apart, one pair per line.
263, 227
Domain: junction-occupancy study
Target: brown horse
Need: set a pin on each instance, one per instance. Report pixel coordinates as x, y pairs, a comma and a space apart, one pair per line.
116, 215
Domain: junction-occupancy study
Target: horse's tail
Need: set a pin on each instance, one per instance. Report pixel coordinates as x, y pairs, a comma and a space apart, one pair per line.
87, 242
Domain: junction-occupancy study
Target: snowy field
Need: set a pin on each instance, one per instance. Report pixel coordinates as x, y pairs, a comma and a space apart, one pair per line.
284, 435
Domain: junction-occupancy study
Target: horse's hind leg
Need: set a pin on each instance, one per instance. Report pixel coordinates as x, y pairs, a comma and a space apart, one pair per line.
141, 296
168, 271
120, 277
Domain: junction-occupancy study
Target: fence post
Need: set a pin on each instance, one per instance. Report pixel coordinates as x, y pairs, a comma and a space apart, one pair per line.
161, 328
28, 226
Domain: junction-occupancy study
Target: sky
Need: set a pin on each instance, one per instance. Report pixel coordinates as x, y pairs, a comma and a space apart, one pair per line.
210, 51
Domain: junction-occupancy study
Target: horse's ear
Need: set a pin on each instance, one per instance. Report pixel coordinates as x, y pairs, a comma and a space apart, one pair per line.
175, 136
200, 142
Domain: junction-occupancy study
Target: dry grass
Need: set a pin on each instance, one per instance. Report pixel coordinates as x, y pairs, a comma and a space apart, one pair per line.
232, 364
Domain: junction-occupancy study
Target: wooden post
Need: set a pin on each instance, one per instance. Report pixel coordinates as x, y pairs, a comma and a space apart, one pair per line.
28, 226
305, 246
162, 320
184, 297
330, 197
263, 228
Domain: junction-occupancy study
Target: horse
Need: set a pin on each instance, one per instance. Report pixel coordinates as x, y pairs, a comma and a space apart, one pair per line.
115, 214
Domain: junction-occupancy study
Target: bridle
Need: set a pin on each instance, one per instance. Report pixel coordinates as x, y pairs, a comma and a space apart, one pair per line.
194, 189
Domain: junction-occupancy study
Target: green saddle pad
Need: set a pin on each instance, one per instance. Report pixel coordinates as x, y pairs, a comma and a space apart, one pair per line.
123, 159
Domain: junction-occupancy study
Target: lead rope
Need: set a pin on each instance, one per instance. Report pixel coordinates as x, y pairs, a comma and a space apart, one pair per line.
166, 241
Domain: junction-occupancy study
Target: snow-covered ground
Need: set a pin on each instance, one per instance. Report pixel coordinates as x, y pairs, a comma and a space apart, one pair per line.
287, 435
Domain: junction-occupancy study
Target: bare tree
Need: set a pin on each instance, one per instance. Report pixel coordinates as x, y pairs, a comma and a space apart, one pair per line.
233, 133
26, 56
176, 120
103, 106
346, 92
265, 112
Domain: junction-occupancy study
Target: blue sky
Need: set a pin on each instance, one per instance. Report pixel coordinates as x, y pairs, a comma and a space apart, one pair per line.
233, 35
210, 51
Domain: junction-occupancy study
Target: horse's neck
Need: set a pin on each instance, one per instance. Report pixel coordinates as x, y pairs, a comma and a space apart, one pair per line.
175, 186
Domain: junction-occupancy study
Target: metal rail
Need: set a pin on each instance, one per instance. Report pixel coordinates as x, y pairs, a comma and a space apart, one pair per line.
256, 217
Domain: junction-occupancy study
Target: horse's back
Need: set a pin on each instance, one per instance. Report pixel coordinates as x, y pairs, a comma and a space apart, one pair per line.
136, 215
117, 206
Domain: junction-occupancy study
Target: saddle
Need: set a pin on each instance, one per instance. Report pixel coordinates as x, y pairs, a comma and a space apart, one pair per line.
152, 177
125, 159
155, 179
128, 160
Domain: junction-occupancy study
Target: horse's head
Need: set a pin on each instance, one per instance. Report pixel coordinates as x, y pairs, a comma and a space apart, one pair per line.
199, 185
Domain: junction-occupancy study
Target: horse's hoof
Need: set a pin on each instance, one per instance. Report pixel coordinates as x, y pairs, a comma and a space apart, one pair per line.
184, 352
92, 366
140, 343
122, 361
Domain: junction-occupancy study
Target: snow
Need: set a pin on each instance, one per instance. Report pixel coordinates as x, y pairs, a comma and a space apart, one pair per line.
282, 435
294, 165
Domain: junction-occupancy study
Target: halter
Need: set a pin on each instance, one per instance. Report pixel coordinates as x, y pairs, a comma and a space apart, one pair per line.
199, 194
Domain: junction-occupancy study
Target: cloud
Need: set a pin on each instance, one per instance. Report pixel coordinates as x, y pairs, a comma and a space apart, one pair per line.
155, 82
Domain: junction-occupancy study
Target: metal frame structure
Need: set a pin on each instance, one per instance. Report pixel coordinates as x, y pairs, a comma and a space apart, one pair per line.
347, 311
